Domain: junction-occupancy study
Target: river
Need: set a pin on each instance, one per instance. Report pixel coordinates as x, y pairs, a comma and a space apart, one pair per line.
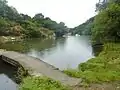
7, 77
62, 53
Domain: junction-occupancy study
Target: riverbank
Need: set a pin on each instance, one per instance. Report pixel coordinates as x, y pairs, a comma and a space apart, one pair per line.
4, 39
41, 83
104, 68
101, 73
34, 67
44, 83
16, 76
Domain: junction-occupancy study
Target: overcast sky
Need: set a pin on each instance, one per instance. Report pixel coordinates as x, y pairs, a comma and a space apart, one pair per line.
71, 12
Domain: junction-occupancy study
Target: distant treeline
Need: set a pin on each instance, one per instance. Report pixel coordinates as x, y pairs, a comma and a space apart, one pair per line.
13, 23
105, 26
83, 29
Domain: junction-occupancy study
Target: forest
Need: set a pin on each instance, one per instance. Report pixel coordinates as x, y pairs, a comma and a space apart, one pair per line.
83, 29
13, 23
105, 26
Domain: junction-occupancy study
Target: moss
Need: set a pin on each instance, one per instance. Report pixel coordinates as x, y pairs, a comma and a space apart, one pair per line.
104, 68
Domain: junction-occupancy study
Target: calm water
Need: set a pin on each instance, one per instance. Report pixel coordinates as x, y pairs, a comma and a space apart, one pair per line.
7, 79
62, 53
6, 83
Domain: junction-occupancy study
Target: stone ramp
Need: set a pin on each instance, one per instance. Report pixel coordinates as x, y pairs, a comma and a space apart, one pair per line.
38, 67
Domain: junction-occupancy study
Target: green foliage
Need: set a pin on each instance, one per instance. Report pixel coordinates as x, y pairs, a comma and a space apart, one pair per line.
106, 28
14, 24
7, 11
58, 28
103, 68
107, 24
41, 83
73, 73
8, 27
84, 29
102, 4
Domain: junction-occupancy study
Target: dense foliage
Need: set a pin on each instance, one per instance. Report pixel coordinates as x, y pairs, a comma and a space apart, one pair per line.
14, 24
84, 29
107, 24
102, 4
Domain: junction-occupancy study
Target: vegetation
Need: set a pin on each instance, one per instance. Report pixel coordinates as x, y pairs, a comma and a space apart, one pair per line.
107, 25
103, 4
106, 29
14, 24
104, 68
41, 83
84, 29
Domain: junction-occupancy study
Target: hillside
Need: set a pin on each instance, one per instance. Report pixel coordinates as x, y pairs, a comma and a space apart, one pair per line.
13, 23
84, 29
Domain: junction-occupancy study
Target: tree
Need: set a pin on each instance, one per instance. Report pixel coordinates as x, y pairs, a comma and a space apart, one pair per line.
7, 11
102, 4
13, 23
107, 24
3, 4
85, 28
24, 17
38, 16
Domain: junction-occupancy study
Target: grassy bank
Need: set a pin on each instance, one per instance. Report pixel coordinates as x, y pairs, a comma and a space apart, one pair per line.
104, 68
41, 83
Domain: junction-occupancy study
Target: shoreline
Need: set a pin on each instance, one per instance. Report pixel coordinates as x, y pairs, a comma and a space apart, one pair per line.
4, 39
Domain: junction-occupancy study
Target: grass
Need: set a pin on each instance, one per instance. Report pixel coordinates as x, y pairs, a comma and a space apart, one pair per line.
41, 83
104, 68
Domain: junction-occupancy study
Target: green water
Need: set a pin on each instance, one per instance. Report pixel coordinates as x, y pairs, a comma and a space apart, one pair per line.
62, 53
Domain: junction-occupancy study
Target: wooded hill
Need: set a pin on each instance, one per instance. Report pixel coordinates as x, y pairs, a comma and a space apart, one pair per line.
13, 23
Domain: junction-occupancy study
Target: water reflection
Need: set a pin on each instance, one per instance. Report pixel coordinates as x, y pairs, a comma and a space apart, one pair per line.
67, 53
7, 79
62, 53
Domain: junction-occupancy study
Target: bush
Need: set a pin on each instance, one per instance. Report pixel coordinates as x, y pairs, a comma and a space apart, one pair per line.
41, 83
107, 24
